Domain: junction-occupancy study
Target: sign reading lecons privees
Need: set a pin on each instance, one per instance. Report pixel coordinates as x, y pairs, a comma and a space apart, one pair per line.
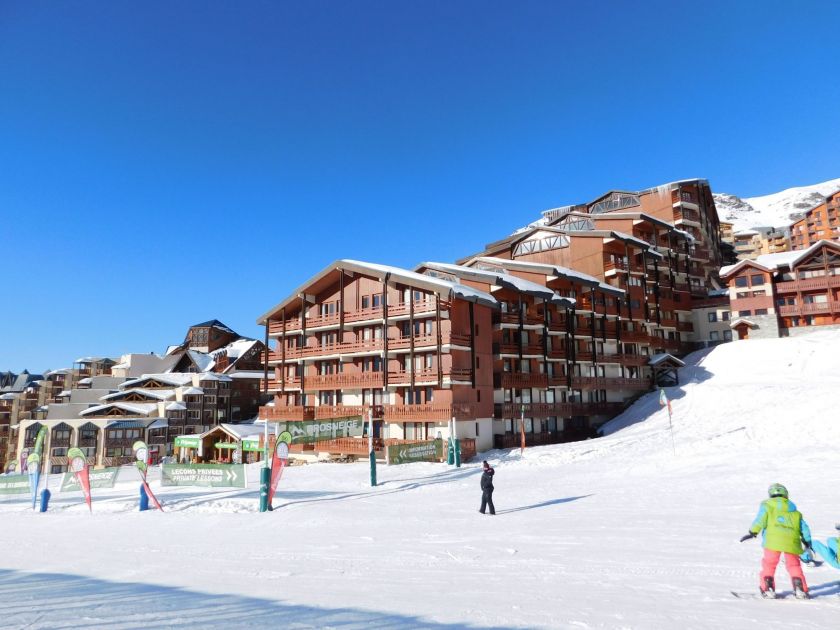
205, 475
418, 452
317, 430
14, 484
102, 478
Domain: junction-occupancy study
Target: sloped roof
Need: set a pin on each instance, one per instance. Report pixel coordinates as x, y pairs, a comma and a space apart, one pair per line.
551, 270
772, 262
411, 278
140, 409
215, 323
501, 279
664, 357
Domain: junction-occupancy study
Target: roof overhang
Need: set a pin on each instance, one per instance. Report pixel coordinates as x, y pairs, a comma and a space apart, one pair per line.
387, 274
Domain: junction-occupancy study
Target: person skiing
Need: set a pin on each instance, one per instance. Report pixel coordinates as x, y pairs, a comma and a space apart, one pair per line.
487, 488
783, 532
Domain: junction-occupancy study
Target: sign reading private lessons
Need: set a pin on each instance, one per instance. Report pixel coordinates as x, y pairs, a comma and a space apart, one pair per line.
102, 478
14, 484
417, 452
204, 475
310, 431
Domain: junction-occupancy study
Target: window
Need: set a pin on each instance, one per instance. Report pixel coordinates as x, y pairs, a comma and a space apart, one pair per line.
714, 336
761, 311
727, 335
377, 300
365, 301
724, 316
756, 280
759, 293
744, 313
712, 317
741, 281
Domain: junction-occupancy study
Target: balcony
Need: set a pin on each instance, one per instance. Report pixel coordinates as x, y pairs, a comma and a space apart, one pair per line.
366, 346
420, 376
548, 410
520, 380
808, 284
685, 327
813, 308
622, 359
601, 382
612, 263
428, 413
527, 319
512, 348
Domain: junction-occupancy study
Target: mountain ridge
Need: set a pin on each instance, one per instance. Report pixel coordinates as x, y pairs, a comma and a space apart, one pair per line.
777, 209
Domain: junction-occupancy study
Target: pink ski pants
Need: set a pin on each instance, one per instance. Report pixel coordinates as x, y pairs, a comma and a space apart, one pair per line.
771, 560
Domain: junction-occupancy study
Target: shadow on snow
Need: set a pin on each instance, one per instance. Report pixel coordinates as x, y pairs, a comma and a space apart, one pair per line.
543, 504
61, 600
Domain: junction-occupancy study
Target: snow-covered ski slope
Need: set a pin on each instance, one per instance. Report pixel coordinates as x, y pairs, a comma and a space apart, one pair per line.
610, 533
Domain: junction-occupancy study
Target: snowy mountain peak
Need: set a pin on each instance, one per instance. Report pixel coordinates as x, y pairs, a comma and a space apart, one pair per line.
776, 209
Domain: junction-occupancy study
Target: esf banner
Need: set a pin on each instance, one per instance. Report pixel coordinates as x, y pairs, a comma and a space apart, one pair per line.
418, 452
204, 475
310, 431
102, 478
14, 484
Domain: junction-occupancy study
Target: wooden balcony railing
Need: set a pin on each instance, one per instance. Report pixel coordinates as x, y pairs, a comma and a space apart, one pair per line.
404, 377
528, 319
547, 410
404, 413
809, 284
520, 380
613, 262
601, 382
275, 328
533, 349
810, 309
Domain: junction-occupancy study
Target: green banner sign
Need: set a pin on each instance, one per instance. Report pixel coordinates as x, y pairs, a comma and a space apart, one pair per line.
431, 451
187, 442
224, 445
307, 432
205, 475
14, 484
251, 445
102, 478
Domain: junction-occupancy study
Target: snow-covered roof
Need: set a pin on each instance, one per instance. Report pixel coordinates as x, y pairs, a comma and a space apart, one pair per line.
192, 391
742, 320
8, 396
501, 278
247, 374
85, 381
159, 394
550, 270
175, 406
141, 409
202, 360
243, 430
772, 262
746, 233
172, 378
212, 376
440, 287
235, 349
664, 357
161, 423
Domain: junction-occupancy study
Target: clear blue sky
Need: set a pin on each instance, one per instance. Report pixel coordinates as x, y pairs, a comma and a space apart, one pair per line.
164, 163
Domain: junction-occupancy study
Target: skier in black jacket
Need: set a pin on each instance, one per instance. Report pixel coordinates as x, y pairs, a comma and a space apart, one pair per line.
487, 489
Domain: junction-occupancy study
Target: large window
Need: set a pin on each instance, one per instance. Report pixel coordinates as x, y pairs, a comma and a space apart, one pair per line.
756, 279
714, 336
761, 311
712, 317
744, 313
741, 281
727, 335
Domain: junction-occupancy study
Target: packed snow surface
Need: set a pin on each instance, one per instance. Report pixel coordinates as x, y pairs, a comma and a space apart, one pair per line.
628, 531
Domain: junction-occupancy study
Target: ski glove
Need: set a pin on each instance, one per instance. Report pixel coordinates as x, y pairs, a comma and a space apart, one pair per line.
748, 536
